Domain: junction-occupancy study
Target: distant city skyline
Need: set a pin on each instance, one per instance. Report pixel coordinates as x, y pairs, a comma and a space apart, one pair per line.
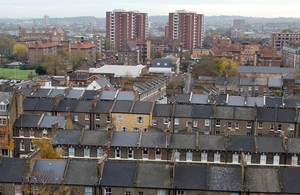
72, 8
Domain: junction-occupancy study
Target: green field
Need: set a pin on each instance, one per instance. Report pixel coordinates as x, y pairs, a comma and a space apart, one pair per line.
8, 73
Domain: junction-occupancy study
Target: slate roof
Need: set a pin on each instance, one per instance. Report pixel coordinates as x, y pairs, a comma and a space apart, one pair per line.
241, 143
183, 141
30, 104
142, 107
41, 93
211, 142
251, 101
65, 105
48, 171
89, 95
94, 138
122, 106
286, 115
56, 92
124, 139
293, 145
47, 121
103, 107
182, 97
266, 114
162, 110
46, 105
190, 177
26, 91
82, 172
202, 111
244, 113
27, 120
125, 95
162, 62
233, 81
83, 106
270, 144
118, 174
223, 178
264, 69
220, 80
224, 112
153, 175
108, 95
153, 140
67, 137
74, 94
273, 101
246, 81
262, 180
199, 99
291, 103
290, 178
275, 82
184, 111
12, 170
220, 99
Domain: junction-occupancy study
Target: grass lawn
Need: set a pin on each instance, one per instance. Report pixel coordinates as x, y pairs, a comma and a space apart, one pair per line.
8, 73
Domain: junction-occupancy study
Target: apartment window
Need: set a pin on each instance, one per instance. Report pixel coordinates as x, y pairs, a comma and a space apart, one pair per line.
249, 133
5, 152
166, 120
272, 127
186, 123
32, 146
76, 117
292, 127
179, 192
120, 119
279, 127
203, 157
154, 122
206, 123
250, 88
217, 157
265, 90
256, 88
97, 126
161, 192
2, 107
97, 117
87, 116
21, 132
108, 119
176, 121
127, 193
22, 146
249, 124
107, 191
260, 125
195, 123
237, 125
294, 160
44, 132
189, 156
157, 155
88, 190
31, 133
218, 123
71, 152
248, 158
276, 159
135, 129
139, 119
100, 152
263, 159
3, 122
217, 132
140, 193
18, 190
228, 87
124, 129
235, 158
86, 152
117, 153
130, 154
229, 125
177, 156
241, 89
145, 154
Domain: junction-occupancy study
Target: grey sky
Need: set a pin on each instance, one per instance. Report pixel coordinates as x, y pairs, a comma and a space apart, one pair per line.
69, 8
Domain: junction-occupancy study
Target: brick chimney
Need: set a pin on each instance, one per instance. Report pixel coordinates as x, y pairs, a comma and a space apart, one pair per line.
190, 126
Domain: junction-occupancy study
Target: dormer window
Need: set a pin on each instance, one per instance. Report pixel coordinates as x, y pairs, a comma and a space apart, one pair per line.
2, 106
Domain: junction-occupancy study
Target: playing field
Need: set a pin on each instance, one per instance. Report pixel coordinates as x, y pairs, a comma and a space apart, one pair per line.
15, 73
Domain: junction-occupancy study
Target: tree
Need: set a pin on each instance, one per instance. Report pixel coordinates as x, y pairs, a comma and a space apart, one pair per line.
286, 30
157, 54
40, 70
6, 46
227, 68
6, 139
47, 150
20, 51
77, 57
206, 66
53, 64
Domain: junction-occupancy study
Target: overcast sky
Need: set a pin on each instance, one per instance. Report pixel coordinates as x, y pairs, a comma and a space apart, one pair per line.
97, 8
